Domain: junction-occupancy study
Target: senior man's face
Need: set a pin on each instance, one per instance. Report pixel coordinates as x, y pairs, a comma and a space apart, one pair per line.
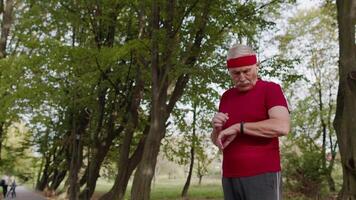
245, 77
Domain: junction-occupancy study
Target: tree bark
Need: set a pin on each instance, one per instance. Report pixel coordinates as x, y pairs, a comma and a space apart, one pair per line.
141, 186
192, 154
98, 148
94, 167
79, 125
345, 118
6, 11
58, 177
104, 34
160, 111
126, 167
1, 136
43, 181
127, 164
53, 170
5, 25
101, 149
327, 168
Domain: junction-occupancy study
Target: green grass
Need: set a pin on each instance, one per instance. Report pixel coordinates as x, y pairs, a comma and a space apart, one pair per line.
195, 191
170, 189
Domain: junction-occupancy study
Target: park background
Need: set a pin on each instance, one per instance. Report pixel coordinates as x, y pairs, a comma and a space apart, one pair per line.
112, 99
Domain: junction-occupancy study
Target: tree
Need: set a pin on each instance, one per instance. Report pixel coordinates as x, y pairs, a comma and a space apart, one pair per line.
302, 161
192, 127
6, 12
18, 155
102, 81
204, 157
345, 117
312, 114
205, 25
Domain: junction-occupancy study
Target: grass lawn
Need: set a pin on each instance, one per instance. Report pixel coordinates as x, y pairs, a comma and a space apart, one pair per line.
170, 189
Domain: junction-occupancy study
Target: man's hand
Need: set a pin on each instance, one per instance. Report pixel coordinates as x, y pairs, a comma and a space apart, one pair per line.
226, 136
218, 122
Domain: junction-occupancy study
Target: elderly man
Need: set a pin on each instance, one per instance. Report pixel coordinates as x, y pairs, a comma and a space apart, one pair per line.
252, 115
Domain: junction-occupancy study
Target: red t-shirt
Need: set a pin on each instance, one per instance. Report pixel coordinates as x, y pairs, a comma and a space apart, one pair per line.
251, 155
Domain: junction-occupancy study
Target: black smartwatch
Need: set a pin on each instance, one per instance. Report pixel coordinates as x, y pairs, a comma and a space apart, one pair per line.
241, 127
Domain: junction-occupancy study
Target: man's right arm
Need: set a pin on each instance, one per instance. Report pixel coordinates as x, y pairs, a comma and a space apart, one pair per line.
218, 122
214, 136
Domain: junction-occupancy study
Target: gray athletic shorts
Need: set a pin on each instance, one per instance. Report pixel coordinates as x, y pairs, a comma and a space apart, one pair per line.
266, 186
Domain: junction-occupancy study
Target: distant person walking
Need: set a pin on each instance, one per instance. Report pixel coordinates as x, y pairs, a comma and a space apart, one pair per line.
4, 184
12, 190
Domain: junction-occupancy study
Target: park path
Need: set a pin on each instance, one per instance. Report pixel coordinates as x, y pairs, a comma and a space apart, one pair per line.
22, 193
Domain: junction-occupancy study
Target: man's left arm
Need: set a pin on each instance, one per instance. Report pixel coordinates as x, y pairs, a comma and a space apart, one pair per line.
277, 125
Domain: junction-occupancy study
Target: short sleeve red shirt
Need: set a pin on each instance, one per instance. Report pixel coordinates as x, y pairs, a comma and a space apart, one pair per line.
250, 155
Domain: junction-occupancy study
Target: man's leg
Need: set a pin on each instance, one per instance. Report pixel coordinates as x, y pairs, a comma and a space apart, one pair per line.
262, 187
8, 192
232, 189
5, 191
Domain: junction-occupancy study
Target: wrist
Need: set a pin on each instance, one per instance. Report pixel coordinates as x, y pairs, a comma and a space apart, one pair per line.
215, 131
242, 127
213, 137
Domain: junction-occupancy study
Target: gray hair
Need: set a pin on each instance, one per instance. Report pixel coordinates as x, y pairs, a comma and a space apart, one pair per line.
239, 50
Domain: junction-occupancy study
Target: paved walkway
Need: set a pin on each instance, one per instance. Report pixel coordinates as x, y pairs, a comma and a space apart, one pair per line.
23, 193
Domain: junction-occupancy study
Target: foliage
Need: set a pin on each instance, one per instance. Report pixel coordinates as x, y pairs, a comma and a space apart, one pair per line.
344, 121
281, 68
77, 64
303, 171
311, 37
17, 155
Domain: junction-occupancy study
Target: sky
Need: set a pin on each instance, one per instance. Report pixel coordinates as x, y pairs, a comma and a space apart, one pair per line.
302, 4
267, 49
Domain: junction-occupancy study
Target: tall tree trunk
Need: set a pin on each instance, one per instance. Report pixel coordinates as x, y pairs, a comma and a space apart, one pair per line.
1, 137
97, 148
200, 179
331, 182
79, 125
101, 149
192, 154
127, 164
104, 34
345, 118
160, 111
141, 186
324, 129
61, 166
76, 159
126, 167
333, 145
58, 177
91, 174
184, 193
6, 10
43, 180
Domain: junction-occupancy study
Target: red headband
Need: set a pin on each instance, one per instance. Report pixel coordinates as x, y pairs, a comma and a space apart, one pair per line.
242, 61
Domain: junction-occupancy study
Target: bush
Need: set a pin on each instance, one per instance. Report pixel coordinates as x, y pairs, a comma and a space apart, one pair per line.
303, 170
